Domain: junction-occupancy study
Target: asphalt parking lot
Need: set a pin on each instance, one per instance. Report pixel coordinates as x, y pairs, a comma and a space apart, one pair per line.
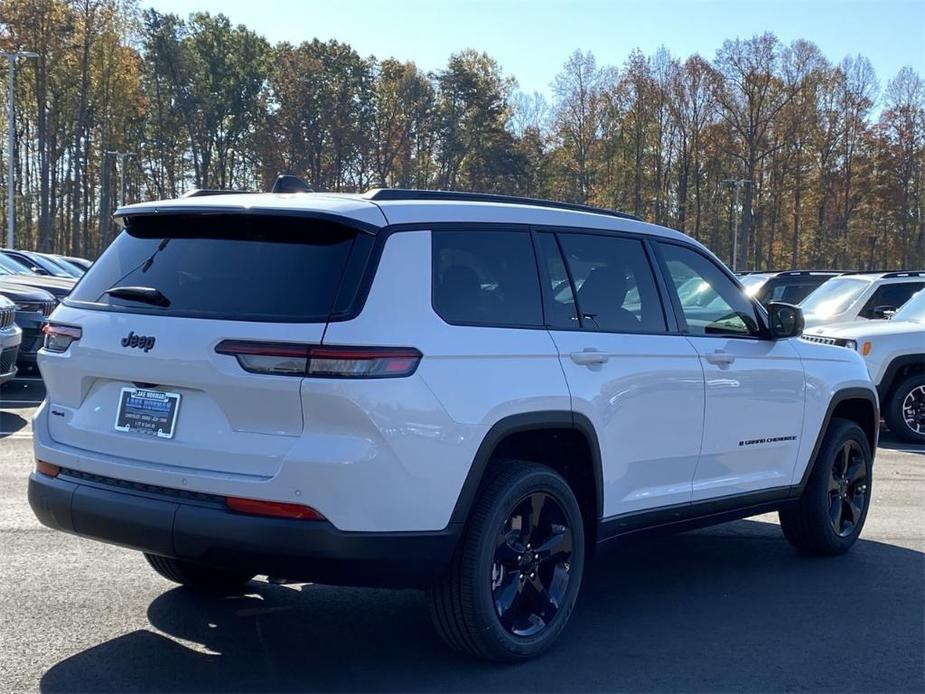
727, 609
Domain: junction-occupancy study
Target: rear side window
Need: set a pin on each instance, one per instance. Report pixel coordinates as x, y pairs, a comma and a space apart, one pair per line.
235, 267
614, 286
486, 278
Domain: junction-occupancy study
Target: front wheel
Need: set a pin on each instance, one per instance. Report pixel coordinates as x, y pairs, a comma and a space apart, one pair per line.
905, 409
515, 577
830, 513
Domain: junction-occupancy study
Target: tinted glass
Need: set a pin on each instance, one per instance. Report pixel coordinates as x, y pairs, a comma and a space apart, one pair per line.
789, 292
712, 304
892, 295
238, 268
614, 286
560, 300
13, 266
47, 265
486, 278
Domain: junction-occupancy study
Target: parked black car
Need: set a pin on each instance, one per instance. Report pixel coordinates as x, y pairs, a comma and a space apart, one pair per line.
789, 286
33, 306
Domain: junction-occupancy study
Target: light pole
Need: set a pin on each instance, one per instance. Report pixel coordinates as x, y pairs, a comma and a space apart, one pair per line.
122, 156
739, 183
11, 57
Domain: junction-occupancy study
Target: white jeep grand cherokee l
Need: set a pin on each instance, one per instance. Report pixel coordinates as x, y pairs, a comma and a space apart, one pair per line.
459, 392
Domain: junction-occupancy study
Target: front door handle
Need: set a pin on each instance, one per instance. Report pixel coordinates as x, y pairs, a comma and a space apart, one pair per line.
720, 358
589, 357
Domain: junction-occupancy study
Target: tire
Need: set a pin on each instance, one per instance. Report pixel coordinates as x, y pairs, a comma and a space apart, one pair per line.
907, 399
837, 494
204, 579
481, 605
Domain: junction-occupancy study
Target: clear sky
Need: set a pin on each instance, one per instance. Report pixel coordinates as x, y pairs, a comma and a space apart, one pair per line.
531, 39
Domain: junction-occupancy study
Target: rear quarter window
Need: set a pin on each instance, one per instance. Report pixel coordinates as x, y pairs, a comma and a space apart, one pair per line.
232, 267
486, 278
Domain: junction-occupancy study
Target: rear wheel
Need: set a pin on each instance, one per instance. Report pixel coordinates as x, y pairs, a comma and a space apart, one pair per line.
831, 512
905, 409
515, 577
206, 579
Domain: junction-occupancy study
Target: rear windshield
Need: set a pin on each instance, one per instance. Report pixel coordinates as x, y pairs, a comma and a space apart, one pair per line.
233, 267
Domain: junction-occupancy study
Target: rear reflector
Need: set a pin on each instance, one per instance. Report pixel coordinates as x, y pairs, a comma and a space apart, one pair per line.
59, 337
292, 359
272, 508
47, 468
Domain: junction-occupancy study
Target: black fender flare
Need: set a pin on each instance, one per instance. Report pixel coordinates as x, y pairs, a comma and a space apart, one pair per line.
839, 397
898, 364
519, 423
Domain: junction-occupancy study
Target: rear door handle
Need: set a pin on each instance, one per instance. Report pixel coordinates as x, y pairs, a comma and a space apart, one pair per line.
720, 358
589, 357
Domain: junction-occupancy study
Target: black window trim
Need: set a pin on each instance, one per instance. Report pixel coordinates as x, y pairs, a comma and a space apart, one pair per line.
764, 333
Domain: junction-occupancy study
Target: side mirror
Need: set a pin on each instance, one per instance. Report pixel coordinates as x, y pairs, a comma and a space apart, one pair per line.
880, 312
786, 320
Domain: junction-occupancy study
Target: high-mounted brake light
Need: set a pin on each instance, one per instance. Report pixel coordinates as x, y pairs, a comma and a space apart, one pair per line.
59, 337
277, 509
293, 359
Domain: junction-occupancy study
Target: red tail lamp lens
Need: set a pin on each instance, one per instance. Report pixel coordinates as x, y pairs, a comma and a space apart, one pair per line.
289, 359
59, 337
276, 509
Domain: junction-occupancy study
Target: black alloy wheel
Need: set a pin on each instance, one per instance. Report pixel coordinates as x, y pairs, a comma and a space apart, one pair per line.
512, 584
847, 489
530, 572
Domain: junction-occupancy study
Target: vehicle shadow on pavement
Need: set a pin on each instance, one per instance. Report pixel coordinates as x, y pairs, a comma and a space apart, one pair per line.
732, 608
11, 423
892, 443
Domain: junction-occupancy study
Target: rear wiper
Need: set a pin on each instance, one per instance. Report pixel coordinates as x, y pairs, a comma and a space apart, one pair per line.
145, 295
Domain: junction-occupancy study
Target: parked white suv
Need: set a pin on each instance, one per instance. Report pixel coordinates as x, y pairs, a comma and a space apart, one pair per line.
861, 297
895, 354
460, 392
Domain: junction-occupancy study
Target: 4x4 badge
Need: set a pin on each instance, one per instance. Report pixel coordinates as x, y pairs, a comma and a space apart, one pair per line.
139, 341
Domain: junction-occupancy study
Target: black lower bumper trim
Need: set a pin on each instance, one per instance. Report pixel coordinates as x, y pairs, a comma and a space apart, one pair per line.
299, 550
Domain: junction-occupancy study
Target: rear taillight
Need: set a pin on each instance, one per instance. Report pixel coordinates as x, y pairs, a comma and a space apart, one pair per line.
288, 359
59, 337
276, 509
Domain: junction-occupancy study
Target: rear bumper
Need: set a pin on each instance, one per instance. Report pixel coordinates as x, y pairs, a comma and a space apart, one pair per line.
201, 529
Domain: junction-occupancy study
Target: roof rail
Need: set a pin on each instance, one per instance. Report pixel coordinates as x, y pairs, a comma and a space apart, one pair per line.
803, 273
204, 192
905, 273
380, 194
